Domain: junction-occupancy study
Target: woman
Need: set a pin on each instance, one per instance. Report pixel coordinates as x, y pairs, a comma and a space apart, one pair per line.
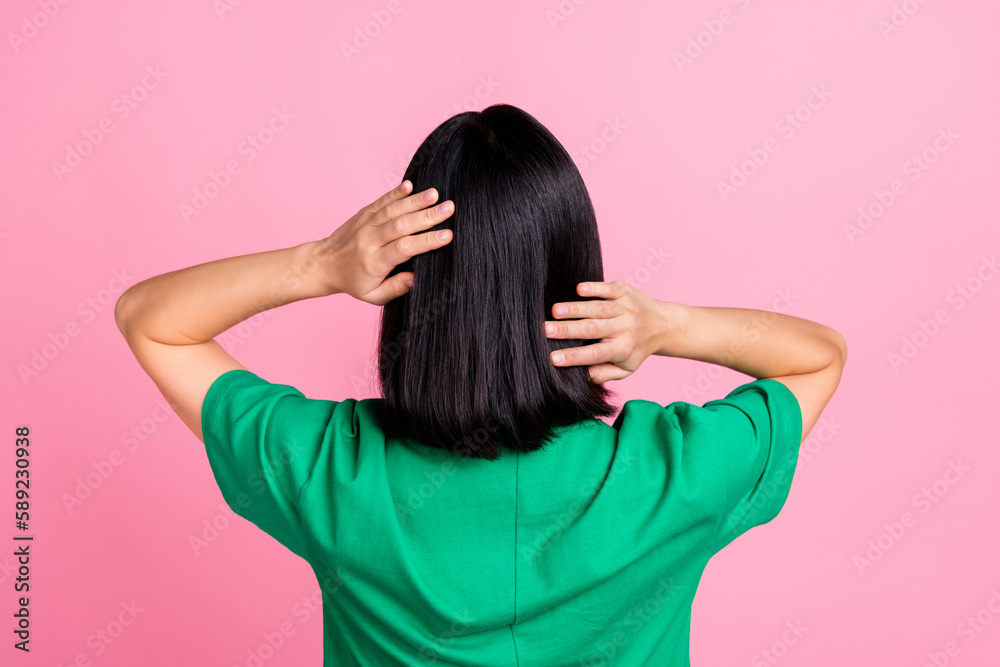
480, 513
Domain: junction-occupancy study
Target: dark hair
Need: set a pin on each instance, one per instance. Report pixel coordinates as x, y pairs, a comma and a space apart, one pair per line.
463, 357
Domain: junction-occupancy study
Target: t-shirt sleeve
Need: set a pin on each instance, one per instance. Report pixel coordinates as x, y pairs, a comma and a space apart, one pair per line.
262, 442
755, 433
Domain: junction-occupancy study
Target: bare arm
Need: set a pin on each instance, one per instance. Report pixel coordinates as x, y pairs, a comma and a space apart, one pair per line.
170, 321
805, 356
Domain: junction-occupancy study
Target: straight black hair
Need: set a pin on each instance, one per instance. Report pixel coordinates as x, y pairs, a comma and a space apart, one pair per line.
463, 357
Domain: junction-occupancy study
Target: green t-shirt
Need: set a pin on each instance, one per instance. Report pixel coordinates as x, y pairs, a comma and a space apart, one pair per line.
587, 552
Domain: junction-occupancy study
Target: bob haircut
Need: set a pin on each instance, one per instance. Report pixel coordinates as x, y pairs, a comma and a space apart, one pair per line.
463, 356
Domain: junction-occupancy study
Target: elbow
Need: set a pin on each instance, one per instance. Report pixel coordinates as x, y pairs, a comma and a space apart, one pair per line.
122, 312
840, 344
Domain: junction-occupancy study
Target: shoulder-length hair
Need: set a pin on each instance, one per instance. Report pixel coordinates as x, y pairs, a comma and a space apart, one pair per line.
463, 357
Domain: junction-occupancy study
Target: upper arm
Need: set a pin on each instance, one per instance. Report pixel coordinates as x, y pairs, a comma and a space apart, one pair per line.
182, 373
814, 390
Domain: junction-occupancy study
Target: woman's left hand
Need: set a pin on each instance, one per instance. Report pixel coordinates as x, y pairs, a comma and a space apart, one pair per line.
361, 253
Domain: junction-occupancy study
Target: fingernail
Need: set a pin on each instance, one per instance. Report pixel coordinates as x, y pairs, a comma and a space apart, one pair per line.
428, 196
444, 208
550, 328
558, 357
561, 310
442, 235
409, 283
584, 288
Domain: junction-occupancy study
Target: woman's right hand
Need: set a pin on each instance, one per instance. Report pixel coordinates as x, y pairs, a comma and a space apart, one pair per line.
629, 323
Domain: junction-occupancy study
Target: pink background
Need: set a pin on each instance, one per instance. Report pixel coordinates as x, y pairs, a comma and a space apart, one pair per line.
661, 137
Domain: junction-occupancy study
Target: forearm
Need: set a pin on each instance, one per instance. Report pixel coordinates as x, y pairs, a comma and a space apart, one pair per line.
196, 304
755, 342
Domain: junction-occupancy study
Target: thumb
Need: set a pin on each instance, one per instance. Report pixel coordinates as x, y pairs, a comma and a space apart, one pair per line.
390, 289
601, 373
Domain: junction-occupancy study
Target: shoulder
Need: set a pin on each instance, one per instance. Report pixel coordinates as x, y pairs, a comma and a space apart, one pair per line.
639, 415
752, 411
353, 417
242, 396
762, 391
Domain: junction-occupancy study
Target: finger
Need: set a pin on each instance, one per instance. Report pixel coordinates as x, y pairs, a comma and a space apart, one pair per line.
582, 329
408, 216
603, 290
397, 192
582, 309
409, 245
398, 208
586, 355
602, 373
390, 288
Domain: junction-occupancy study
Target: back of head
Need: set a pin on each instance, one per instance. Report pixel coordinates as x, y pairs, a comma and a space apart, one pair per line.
463, 357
